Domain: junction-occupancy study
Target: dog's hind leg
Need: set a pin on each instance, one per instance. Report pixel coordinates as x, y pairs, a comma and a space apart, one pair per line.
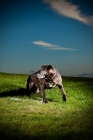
29, 85
37, 90
63, 92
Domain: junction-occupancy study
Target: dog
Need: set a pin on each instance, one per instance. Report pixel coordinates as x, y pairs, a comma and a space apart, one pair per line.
46, 77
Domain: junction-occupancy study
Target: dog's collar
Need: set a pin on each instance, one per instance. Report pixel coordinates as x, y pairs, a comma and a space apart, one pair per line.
55, 75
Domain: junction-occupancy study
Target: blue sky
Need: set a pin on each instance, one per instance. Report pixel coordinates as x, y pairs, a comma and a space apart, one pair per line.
37, 32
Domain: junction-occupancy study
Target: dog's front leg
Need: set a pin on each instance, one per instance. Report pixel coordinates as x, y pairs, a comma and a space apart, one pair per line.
44, 96
42, 89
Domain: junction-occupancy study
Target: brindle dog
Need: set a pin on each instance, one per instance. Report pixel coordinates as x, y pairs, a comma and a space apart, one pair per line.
47, 77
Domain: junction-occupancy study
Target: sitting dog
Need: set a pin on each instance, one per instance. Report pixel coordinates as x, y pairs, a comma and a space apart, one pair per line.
47, 77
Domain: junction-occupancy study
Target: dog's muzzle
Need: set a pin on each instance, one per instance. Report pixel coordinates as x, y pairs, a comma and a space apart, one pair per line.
50, 83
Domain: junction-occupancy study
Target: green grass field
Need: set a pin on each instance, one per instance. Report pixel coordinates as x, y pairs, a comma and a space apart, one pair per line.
27, 118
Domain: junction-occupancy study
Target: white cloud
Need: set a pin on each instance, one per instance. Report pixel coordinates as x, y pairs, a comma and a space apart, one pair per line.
42, 43
49, 46
70, 10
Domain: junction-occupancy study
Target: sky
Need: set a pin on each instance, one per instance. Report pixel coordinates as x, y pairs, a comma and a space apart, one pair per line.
54, 32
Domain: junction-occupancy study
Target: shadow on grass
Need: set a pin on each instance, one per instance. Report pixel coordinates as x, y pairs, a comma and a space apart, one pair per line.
19, 92
23, 92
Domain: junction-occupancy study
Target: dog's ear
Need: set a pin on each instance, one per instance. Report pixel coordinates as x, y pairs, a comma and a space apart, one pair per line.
51, 75
49, 67
50, 71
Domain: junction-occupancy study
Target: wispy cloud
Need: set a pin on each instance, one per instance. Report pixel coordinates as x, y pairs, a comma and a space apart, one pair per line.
70, 10
49, 46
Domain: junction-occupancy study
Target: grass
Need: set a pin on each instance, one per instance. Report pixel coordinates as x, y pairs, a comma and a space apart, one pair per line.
23, 117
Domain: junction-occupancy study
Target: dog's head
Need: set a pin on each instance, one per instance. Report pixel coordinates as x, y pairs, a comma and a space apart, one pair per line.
48, 71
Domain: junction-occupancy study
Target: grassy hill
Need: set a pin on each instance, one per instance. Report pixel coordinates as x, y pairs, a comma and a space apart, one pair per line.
23, 117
